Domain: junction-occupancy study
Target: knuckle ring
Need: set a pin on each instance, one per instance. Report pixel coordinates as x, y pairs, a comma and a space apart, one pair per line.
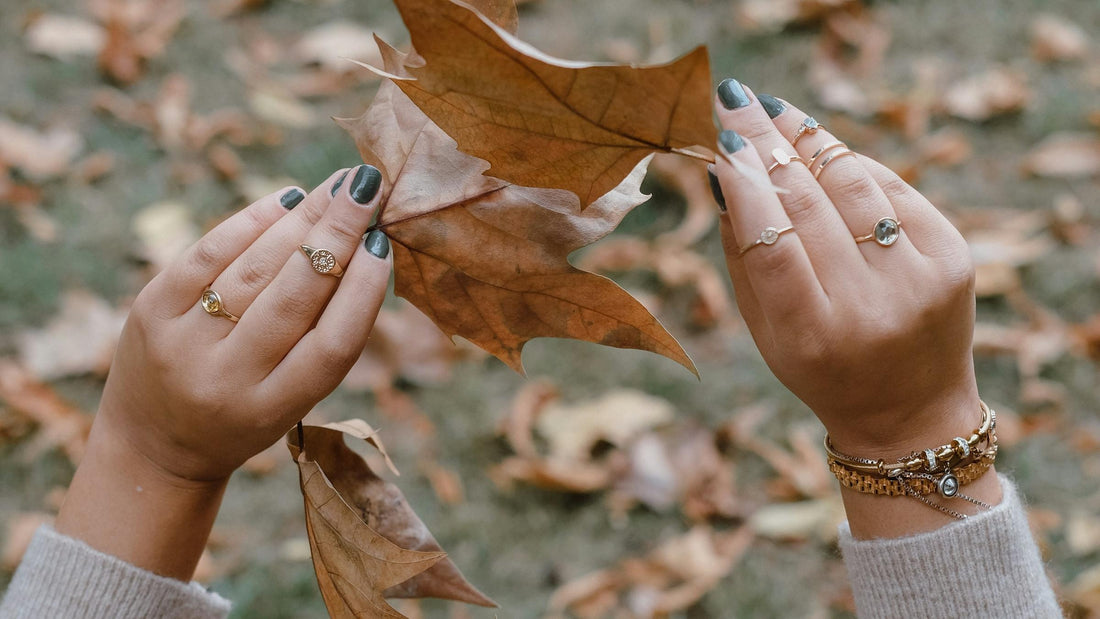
212, 303
782, 159
322, 260
826, 161
887, 231
824, 149
809, 126
768, 237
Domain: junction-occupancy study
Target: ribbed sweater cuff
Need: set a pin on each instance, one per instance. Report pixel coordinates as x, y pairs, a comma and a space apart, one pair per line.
986, 565
64, 577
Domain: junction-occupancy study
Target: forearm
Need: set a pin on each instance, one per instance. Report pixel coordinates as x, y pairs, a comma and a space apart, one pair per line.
123, 505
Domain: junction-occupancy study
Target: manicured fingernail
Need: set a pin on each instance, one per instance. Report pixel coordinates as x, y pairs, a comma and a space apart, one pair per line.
292, 198
732, 94
365, 184
774, 107
716, 188
338, 183
377, 244
731, 141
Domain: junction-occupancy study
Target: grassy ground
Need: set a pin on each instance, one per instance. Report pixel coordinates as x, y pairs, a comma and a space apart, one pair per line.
519, 546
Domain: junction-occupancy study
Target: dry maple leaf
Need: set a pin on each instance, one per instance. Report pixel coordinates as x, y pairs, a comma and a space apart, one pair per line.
366, 541
488, 260
541, 121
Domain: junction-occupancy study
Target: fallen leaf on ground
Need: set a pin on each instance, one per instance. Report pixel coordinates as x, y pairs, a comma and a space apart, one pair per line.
137, 31
331, 44
487, 260
40, 155
1054, 39
571, 431
1065, 155
61, 424
980, 97
64, 36
801, 520
670, 579
544, 122
367, 542
80, 339
164, 230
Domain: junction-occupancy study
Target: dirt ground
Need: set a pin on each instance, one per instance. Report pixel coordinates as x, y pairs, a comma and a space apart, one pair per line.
1033, 236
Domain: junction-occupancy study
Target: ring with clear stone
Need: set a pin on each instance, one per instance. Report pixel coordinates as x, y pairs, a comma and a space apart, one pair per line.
211, 303
809, 126
886, 232
768, 237
322, 260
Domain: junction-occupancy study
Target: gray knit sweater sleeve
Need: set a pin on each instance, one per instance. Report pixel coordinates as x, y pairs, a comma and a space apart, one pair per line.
64, 577
985, 566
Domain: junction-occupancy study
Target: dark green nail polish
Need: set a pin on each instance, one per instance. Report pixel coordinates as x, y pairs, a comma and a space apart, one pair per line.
292, 198
716, 189
774, 107
338, 183
377, 244
732, 94
365, 184
731, 141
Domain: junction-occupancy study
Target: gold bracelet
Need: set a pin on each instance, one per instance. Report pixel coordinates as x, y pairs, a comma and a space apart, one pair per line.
927, 461
923, 485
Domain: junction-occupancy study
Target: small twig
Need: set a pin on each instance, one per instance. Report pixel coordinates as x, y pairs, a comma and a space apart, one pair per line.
690, 153
301, 438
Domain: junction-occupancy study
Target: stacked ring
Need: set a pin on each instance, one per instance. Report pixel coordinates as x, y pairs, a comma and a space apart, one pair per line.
824, 149
826, 161
768, 237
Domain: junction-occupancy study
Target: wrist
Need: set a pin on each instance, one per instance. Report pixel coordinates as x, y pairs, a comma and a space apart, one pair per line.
122, 503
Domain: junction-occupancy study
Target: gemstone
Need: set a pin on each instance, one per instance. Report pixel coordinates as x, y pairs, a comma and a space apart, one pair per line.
887, 231
782, 157
769, 236
210, 302
323, 260
810, 124
948, 485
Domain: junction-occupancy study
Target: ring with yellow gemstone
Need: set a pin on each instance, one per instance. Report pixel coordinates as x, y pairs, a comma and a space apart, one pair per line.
212, 303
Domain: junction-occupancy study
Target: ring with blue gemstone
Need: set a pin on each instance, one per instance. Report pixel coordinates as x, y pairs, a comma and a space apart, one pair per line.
809, 125
886, 232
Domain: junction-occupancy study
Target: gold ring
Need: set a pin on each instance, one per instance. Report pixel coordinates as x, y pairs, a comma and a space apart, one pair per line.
826, 161
809, 126
768, 237
323, 261
782, 159
824, 149
212, 303
886, 232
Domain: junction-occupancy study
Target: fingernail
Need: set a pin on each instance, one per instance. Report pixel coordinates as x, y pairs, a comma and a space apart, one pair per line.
377, 244
774, 107
716, 188
365, 184
338, 183
732, 94
292, 198
731, 141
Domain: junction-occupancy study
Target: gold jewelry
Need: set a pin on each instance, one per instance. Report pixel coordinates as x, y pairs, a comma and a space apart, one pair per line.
809, 126
821, 151
212, 303
886, 232
782, 159
826, 161
870, 484
768, 237
322, 260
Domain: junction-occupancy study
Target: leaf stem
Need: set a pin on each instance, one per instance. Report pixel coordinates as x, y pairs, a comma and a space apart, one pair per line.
301, 438
690, 153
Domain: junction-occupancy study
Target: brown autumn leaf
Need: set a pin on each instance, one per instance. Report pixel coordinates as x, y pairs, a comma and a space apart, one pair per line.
80, 339
488, 260
1065, 155
61, 423
1055, 39
366, 541
995, 92
544, 122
